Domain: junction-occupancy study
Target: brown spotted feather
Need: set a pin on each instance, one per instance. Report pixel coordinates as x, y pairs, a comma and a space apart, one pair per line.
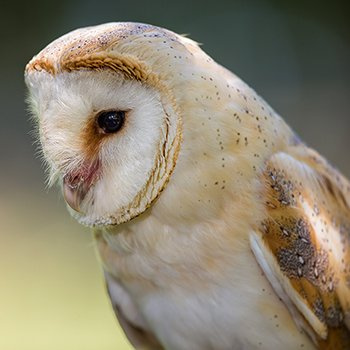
307, 233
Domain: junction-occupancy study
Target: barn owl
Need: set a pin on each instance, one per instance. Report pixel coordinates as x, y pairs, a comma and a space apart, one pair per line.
217, 227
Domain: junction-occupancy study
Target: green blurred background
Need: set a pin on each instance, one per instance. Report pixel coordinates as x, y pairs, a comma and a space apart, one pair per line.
296, 54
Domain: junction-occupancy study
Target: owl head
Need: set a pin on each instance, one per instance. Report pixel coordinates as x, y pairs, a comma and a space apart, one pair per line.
125, 110
109, 122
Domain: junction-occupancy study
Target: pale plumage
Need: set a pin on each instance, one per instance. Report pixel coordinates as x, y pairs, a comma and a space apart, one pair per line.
203, 183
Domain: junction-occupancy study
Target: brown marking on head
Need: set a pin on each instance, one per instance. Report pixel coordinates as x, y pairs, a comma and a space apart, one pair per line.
91, 139
129, 67
43, 64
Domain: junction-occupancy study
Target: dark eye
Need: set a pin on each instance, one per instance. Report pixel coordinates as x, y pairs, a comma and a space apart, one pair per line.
111, 121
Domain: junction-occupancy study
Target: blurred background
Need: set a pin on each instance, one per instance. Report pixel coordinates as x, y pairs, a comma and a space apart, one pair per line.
296, 54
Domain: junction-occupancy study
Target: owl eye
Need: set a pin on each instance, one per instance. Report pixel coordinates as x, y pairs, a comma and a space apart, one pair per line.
110, 121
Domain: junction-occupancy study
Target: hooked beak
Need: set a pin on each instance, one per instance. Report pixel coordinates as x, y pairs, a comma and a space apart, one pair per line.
77, 185
74, 191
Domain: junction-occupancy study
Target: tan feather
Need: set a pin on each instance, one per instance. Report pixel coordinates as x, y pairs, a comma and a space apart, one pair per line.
305, 241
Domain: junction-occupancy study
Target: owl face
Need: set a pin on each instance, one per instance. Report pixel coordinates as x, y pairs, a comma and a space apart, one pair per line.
110, 141
101, 135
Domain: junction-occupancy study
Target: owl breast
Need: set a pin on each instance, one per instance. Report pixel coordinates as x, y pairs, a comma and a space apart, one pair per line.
225, 312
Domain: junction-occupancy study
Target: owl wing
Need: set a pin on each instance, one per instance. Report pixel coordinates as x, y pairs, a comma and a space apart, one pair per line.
303, 245
138, 337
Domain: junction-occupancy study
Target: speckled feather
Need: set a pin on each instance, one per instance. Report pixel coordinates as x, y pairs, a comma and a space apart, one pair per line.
307, 234
231, 188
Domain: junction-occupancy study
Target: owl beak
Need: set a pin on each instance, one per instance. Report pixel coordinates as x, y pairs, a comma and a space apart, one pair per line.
77, 184
74, 192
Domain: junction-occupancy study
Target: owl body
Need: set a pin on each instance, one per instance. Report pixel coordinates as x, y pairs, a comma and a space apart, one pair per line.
216, 226
204, 303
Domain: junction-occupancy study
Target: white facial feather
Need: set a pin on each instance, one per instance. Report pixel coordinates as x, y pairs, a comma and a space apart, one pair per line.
127, 158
